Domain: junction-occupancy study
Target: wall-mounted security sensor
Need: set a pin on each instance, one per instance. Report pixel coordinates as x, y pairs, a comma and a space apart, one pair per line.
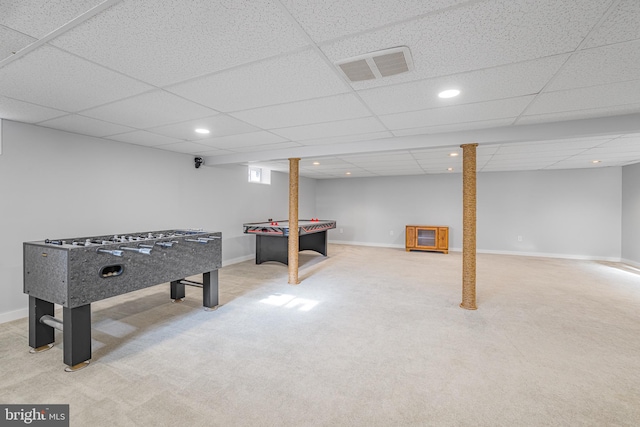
198, 161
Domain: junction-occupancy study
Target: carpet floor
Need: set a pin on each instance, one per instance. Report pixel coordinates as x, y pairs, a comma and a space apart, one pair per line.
371, 337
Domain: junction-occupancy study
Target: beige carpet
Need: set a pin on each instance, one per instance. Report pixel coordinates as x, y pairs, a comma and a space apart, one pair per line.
372, 337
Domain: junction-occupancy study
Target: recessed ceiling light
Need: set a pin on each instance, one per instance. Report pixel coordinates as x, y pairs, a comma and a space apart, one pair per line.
203, 131
449, 93
595, 161
450, 169
316, 163
348, 173
453, 154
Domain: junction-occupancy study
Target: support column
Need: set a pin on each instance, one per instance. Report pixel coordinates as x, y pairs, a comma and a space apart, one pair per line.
294, 165
469, 226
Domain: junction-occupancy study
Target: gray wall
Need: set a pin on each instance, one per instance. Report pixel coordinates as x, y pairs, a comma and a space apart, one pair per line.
565, 213
631, 214
55, 184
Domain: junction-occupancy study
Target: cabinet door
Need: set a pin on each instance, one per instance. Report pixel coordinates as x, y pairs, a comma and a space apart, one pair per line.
426, 237
443, 238
410, 233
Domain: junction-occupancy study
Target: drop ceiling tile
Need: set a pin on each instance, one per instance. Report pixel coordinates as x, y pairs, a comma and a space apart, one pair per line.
485, 150
443, 154
518, 168
454, 127
379, 167
56, 79
315, 175
38, 18
635, 136
336, 18
150, 109
323, 162
12, 41
436, 152
385, 157
85, 125
354, 173
19, 111
437, 170
624, 143
248, 139
515, 159
348, 138
332, 108
480, 35
609, 159
186, 147
265, 147
613, 151
282, 166
286, 78
609, 95
398, 172
163, 43
534, 155
490, 110
572, 144
326, 130
574, 165
142, 137
332, 167
586, 161
507, 81
206, 152
212, 152
608, 64
621, 25
439, 160
578, 114
219, 125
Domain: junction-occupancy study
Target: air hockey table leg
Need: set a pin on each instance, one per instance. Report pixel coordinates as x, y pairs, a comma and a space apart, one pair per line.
76, 337
210, 290
41, 336
314, 242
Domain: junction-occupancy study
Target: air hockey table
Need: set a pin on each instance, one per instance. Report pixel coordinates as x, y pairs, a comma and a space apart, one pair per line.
272, 238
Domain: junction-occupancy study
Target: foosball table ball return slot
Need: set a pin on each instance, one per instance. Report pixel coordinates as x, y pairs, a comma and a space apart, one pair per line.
78, 271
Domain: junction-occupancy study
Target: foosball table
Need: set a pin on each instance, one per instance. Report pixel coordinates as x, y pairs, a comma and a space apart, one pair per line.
75, 272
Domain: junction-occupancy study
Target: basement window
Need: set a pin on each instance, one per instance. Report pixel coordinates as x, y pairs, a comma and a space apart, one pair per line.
259, 175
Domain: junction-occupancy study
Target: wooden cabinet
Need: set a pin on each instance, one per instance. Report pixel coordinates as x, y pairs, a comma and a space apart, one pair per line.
427, 238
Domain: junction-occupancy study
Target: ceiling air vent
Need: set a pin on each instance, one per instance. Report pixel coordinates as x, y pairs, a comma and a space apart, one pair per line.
374, 65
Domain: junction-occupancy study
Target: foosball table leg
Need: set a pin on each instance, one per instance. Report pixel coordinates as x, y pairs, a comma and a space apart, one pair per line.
177, 291
77, 336
210, 289
41, 336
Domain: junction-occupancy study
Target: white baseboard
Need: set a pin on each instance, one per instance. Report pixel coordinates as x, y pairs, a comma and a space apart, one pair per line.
548, 255
14, 315
376, 245
488, 251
